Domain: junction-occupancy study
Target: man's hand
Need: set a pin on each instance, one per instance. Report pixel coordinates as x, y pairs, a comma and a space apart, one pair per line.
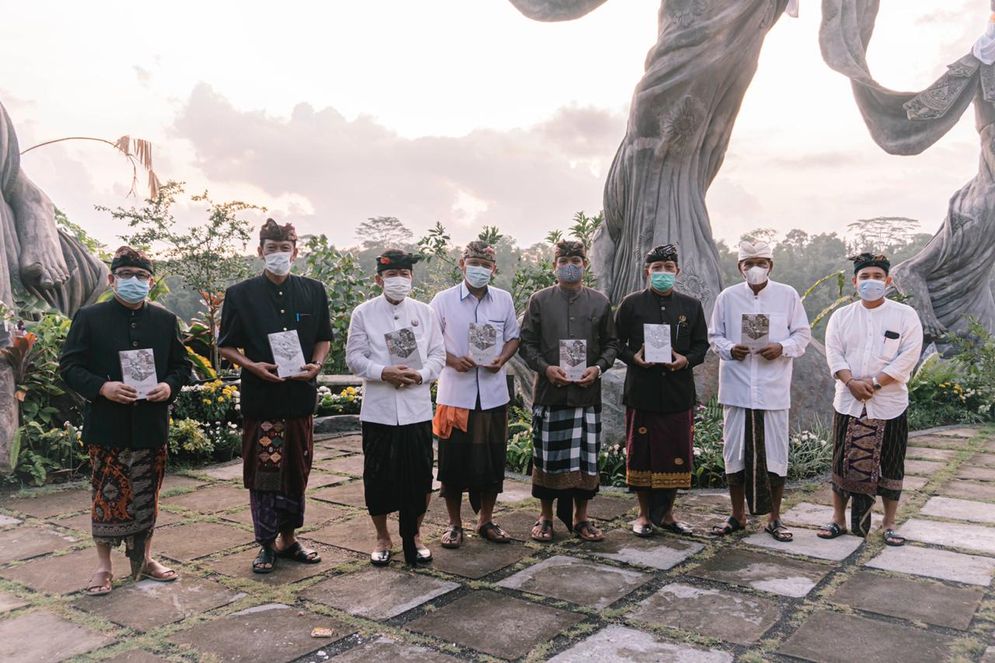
861, 389
462, 364
263, 371
739, 352
399, 376
771, 352
161, 393
680, 361
308, 372
590, 375
640, 359
495, 365
556, 376
119, 392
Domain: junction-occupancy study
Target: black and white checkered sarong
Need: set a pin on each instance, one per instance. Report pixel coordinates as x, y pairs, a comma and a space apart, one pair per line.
566, 439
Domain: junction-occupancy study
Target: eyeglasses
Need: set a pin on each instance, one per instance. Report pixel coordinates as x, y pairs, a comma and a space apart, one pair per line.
127, 274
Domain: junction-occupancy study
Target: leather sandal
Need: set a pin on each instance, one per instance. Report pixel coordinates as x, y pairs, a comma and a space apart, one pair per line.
103, 588
493, 533
380, 557
588, 532
453, 537
299, 553
545, 531
267, 555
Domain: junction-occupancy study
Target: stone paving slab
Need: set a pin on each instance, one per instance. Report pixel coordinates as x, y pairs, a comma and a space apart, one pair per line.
976, 473
211, 499
955, 509
225, 471
913, 483
349, 494
239, 565
357, 534
348, 443
928, 453
923, 468
62, 574
318, 480
10, 602
816, 515
963, 431
762, 571
517, 523
378, 593
514, 626
386, 649
604, 507
964, 536
20, 641
273, 633
26, 541
351, 465
187, 542
744, 618
662, 552
576, 580
859, 639
969, 490
807, 542
477, 558
989, 656
923, 600
51, 505
136, 656
174, 482
148, 604
83, 522
515, 492
938, 441
619, 643
940, 564
985, 459
9, 521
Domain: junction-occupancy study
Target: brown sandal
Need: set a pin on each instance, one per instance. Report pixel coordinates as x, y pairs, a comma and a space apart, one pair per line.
103, 588
453, 537
493, 533
542, 531
588, 532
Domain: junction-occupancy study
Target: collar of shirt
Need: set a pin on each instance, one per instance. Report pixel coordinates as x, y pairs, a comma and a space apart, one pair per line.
464, 292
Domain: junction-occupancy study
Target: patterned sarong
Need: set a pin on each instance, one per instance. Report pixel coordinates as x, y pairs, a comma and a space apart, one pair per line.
125, 491
659, 449
565, 446
273, 513
756, 480
277, 454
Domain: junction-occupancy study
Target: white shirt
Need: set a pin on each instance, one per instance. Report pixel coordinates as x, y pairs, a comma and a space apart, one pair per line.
366, 354
456, 308
755, 382
886, 339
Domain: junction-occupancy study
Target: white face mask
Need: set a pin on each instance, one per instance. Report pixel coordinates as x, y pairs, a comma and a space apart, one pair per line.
756, 275
278, 263
396, 287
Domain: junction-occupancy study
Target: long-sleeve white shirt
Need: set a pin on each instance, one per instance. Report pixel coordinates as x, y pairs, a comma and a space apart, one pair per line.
867, 342
755, 382
367, 356
456, 308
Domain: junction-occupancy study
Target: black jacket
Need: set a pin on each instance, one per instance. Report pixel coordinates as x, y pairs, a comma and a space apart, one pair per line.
90, 358
656, 389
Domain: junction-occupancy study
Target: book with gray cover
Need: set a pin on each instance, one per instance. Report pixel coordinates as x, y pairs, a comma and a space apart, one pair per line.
138, 370
287, 353
656, 344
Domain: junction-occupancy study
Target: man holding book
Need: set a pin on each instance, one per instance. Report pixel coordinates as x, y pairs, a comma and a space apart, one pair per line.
396, 346
757, 329
276, 326
124, 356
662, 336
569, 340
481, 333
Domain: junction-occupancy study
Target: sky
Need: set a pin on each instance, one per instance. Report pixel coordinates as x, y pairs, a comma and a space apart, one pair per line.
463, 112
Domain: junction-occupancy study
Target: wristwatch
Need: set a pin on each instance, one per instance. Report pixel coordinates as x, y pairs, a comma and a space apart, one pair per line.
875, 383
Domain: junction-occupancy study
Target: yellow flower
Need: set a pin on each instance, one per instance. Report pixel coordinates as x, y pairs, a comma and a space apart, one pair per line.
207, 401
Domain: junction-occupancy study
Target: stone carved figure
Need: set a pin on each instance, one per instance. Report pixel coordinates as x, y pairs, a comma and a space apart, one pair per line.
680, 122
39, 261
949, 281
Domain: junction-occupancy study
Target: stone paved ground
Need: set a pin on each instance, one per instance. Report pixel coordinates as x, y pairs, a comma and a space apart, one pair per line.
627, 599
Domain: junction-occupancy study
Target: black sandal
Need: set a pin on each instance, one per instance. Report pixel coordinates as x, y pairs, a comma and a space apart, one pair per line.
731, 525
299, 553
892, 538
493, 533
266, 556
677, 527
780, 533
830, 531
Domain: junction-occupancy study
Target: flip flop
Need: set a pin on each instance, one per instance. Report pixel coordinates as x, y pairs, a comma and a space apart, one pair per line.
545, 531
168, 575
266, 556
588, 532
780, 533
830, 531
892, 538
299, 553
453, 537
104, 588
678, 527
380, 557
493, 533
642, 531
731, 525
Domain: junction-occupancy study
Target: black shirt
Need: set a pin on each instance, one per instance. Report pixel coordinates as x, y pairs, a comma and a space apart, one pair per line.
657, 389
90, 358
257, 307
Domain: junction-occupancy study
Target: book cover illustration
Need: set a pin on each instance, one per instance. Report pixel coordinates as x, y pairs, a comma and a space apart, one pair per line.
402, 345
573, 358
756, 331
287, 353
656, 344
138, 370
483, 343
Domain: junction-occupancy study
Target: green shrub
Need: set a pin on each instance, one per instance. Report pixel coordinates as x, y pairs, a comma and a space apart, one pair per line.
347, 401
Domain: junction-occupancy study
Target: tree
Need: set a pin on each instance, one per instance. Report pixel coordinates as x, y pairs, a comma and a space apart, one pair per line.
206, 257
760, 235
584, 227
383, 232
882, 234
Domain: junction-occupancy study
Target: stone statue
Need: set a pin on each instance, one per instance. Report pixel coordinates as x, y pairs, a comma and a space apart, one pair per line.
949, 281
680, 123
40, 262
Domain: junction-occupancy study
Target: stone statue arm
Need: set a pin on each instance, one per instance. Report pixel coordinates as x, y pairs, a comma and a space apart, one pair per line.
556, 10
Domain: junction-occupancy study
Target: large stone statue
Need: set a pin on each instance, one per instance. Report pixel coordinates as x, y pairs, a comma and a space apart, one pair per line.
949, 281
41, 264
680, 123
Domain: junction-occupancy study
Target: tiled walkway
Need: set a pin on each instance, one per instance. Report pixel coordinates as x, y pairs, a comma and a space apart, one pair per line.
746, 598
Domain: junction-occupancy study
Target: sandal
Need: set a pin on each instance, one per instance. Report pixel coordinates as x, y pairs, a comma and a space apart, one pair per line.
830, 531
453, 537
642, 531
299, 553
731, 525
266, 556
103, 588
380, 557
892, 538
677, 527
423, 555
588, 532
780, 533
542, 531
166, 575
493, 533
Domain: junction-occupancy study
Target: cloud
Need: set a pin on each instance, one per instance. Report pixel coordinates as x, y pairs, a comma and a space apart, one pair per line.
524, 180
